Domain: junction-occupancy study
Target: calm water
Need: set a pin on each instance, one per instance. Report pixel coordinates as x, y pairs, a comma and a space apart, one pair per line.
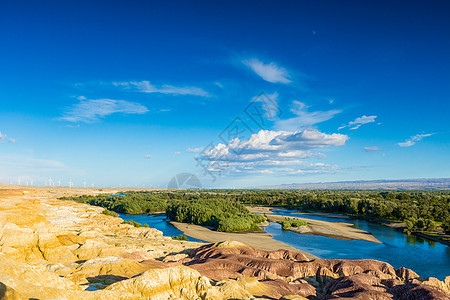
159, 222
426, 258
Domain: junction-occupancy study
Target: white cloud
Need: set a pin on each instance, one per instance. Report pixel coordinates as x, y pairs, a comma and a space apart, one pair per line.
90, 111
177, 153
147, 87
358, 122
372, 149
4, 137
147, 156
414, 139
274, 152
270, 72
192, 149
304, 118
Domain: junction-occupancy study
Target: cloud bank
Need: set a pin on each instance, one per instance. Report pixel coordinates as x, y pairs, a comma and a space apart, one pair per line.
274, 152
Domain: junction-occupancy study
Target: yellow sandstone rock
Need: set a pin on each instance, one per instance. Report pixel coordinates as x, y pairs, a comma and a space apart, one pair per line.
180, 282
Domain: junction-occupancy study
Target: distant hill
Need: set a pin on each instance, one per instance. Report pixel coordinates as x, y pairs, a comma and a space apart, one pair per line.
431, 184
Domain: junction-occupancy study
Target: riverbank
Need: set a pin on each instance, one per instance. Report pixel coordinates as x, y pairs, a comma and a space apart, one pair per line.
336, 230
399, 226
258, 240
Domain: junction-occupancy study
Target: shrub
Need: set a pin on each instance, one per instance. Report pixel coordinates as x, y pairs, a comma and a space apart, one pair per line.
409, 223
131, 222
110, 213
446, 225
292, 223
181, 237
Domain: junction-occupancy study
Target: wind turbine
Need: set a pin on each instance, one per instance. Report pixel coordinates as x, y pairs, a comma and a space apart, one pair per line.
59, 182
19, 180
84, 183
50, 182
31, 181
70, 183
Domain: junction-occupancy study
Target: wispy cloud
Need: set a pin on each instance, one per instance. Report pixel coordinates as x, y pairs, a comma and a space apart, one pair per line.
19, 161
90, 111
372, 149
192, 149
14, 166
358, 122
304, 117
147, 156
270, 72
269, 103
4, 138
414, 139
274, 152
147, 87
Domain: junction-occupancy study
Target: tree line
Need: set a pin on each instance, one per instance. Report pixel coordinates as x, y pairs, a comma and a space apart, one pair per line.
224, 209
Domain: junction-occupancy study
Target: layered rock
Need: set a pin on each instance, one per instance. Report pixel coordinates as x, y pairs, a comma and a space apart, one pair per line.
288, 274
52, 249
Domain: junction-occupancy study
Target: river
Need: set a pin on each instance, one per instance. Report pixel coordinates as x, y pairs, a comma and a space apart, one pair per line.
426, 258
158, 221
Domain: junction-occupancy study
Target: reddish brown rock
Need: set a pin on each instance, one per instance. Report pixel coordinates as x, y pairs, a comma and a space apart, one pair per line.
288, 273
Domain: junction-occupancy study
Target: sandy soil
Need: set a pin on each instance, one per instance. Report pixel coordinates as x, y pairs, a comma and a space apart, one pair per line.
261, 240
336, 230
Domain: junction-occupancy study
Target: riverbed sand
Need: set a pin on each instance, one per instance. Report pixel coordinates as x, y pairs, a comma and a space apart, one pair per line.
258, 240
336, 230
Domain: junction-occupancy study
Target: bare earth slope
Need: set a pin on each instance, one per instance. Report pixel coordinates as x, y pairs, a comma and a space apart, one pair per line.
52, 249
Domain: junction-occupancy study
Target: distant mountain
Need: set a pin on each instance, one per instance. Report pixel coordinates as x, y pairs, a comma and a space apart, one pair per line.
431, 184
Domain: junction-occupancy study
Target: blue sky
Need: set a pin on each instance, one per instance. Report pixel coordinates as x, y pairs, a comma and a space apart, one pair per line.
119, 93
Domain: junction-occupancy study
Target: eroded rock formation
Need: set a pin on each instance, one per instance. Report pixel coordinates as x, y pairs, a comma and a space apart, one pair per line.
52, 249
285, 273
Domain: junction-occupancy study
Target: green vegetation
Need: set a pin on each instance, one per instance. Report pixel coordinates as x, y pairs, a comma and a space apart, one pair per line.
181, 237
131, 222
132, 204
221, 214
110, 213
446, 225
292, 223
224, 209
